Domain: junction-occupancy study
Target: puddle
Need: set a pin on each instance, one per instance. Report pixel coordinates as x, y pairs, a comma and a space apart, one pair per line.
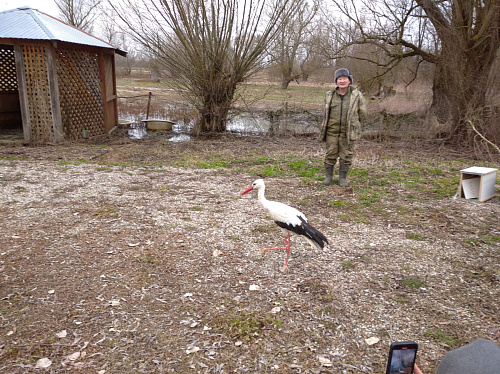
247, 124
180, 138
180, 132
243, 124
137, 131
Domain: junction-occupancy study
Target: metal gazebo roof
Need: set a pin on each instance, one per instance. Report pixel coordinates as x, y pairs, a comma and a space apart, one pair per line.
29, 23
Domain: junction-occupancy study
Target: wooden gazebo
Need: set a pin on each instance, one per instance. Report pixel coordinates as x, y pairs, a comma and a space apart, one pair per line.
55, 80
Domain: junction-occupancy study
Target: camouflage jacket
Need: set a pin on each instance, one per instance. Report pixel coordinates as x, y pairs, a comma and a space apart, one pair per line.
355, 115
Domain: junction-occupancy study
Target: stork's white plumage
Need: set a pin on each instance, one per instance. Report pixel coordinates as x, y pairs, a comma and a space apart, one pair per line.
289, 219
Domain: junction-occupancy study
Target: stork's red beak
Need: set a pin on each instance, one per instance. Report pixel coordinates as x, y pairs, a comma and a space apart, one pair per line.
247, 190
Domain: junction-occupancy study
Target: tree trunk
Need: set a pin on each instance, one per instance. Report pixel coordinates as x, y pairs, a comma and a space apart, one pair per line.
459, 92
470, 37
215, 108
284, 84
213, 118
493, 100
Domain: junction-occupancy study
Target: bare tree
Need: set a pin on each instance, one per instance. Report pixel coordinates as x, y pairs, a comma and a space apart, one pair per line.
208, 47
309, 55
109, 31
79, 13
459, 37
285, 48
133, 55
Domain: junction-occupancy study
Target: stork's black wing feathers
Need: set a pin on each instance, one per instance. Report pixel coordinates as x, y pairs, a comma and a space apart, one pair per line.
314, 234
306, 230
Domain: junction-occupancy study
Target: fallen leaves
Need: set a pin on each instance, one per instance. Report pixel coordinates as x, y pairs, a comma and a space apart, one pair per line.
216, 253
276, 310
371, 341
74, 356
324, 361
192, 349
43, 363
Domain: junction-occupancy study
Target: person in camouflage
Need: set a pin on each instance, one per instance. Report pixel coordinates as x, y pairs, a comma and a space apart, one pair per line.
345, 109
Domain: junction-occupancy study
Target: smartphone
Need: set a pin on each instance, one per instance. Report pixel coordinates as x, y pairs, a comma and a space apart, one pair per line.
402, 357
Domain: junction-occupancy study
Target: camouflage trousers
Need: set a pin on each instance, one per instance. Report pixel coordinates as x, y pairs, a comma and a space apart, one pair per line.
337, 147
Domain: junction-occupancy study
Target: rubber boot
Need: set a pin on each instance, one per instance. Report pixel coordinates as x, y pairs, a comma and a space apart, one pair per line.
343, 175
329, 174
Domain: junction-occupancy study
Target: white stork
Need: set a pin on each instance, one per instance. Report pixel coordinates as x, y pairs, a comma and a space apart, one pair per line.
289, 219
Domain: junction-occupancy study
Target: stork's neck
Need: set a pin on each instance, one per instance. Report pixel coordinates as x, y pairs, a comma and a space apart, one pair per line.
261, 197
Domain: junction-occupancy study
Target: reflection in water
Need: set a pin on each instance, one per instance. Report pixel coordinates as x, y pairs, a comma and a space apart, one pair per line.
244, 124
138, 131
179, 138
248, 124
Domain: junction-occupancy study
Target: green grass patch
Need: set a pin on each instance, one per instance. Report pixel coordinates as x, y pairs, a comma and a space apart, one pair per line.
490, 239
348, 265
272, 171
358, 176
282, 166
107, 169
443, 337
414, 236
13, 158
212, 164
148, 260
247, 325
263, 228
79, 161
304, 168
337, 203
413, 283
106, 210
368, 196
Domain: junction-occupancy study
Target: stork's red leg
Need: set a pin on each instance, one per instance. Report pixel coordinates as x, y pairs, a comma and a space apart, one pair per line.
284, 268
288, 243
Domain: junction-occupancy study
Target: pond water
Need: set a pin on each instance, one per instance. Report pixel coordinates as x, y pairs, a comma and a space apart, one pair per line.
137, 131
247, 124
180, 132
243, 124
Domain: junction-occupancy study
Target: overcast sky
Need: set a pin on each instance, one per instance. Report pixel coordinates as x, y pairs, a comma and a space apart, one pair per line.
46, 6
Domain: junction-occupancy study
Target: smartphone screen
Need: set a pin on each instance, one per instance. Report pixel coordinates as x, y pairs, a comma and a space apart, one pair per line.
402, 357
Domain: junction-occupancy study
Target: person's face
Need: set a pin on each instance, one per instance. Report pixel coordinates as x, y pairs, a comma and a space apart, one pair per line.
343, 82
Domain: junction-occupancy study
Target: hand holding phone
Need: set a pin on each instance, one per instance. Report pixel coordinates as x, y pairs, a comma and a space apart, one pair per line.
417, 370
402, 356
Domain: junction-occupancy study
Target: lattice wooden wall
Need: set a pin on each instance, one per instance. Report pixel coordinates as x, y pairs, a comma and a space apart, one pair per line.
8, 83
80, 92
38, 93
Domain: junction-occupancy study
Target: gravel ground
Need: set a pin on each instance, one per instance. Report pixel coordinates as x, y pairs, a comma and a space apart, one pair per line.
110, 267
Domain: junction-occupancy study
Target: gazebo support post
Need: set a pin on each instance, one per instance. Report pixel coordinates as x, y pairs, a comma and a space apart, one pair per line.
23, 96
54, 94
